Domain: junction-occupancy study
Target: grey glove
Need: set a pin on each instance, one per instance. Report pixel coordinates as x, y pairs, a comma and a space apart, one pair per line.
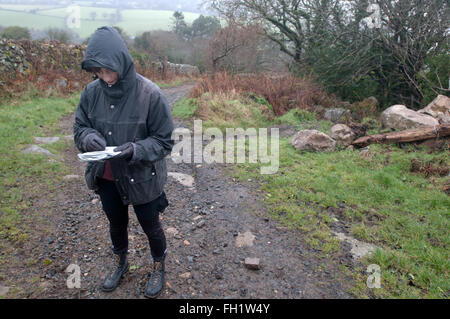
127, 151
93, 142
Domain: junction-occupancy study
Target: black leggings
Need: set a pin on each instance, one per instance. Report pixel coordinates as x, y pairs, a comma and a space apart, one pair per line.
147, 215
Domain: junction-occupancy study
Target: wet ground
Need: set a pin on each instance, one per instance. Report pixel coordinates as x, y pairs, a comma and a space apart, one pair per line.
211, 226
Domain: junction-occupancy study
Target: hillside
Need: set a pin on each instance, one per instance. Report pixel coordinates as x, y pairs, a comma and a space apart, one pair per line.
133, 21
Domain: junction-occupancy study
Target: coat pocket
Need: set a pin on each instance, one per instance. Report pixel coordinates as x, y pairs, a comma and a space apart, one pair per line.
93, 170
141, 172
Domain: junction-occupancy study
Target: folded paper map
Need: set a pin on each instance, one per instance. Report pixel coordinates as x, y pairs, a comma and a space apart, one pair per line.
98, 156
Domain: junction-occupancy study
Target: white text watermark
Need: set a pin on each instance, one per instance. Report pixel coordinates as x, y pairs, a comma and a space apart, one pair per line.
234, 149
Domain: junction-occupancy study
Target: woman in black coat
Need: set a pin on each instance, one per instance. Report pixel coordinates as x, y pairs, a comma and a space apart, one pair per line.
124, 109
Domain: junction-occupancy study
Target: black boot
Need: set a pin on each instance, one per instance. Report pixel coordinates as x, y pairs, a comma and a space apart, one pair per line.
157, 281
112, 280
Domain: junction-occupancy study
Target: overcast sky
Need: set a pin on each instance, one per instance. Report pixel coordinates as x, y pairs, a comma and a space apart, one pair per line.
182, 5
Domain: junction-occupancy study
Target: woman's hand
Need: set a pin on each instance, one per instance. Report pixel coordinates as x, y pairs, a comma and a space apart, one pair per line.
127, 151
93, 142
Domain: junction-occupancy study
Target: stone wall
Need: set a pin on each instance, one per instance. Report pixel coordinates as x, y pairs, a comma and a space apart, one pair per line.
45, 65
177, 69
23, 57
49, 65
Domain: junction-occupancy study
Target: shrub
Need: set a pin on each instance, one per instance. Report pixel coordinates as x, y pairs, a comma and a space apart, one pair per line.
282, 92
15, 33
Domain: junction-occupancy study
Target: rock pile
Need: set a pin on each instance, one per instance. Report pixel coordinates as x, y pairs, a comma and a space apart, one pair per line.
396, 117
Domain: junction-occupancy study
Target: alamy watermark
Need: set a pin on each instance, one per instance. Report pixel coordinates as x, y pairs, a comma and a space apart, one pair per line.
374, 20
74, 279
374, 278
73, 20
234, 149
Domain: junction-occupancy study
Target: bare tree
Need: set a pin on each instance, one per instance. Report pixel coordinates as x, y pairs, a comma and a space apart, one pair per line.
334, 39
286, 22
237, 49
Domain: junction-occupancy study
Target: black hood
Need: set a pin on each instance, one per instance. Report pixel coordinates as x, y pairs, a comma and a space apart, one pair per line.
107, 49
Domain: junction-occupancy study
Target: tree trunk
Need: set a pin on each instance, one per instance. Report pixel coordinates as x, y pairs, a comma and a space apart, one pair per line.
411, 135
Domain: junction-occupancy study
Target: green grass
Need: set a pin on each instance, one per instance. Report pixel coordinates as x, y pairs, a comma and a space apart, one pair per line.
411, 214
134, 21
382, 202
20, 122
176, 82
224, 111
304, 120
185, 108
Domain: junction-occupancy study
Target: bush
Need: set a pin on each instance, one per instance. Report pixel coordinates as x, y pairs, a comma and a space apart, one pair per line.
434, 80
15, 33
282, 92
61, 35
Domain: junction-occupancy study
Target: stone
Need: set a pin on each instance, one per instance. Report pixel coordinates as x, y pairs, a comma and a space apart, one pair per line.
71, 177
185, 275
342, 134
244, 240
46, 140
252, 263
399, 117
313, 140
183, 179
336, 115
200, 224
439, 109
172, 231
34, 149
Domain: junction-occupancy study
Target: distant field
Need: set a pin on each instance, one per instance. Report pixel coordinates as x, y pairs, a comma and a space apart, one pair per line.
134, 21
25, 7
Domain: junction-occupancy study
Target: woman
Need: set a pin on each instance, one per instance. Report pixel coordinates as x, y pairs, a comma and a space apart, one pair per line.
122, 108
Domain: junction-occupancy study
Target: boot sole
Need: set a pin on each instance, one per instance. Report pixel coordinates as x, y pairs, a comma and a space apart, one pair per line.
157, 295
114, 288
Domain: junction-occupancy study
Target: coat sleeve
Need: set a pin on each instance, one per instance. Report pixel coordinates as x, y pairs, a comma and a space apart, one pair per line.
160, 126
82, 126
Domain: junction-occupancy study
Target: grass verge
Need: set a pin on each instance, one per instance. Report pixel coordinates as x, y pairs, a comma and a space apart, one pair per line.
378, 198
23, 175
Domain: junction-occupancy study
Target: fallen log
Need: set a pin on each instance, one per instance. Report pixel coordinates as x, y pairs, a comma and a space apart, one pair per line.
411, 135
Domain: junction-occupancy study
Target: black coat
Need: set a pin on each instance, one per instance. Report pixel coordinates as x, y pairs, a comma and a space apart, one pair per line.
132, 110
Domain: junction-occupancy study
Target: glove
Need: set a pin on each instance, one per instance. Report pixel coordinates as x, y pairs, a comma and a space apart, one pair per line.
127, 151
93, 142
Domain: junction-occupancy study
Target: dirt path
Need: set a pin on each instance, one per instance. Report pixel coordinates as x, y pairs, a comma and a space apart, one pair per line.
204, 225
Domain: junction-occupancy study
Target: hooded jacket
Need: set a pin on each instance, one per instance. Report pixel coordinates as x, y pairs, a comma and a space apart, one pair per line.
132, 110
